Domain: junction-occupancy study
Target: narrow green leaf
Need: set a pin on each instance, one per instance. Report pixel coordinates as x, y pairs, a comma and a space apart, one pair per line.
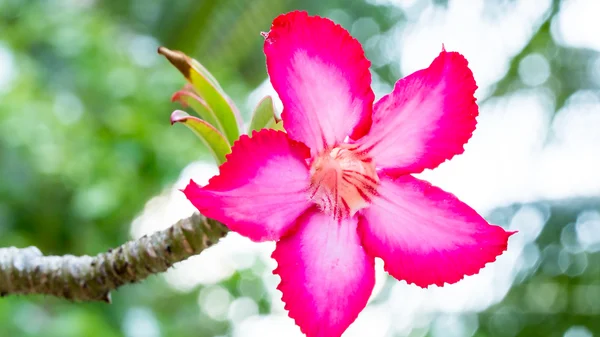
211, 137
200, 68
208, 89
263, 115
276, 125
190, 99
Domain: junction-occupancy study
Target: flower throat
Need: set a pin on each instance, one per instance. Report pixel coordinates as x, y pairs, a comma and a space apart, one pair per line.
342, 181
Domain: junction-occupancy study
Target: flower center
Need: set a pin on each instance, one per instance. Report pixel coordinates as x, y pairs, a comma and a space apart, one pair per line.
342, 181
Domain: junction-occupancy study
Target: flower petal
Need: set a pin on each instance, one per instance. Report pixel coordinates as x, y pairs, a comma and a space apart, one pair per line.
426, 119
326, 276
322, 76
262, 188
427, 236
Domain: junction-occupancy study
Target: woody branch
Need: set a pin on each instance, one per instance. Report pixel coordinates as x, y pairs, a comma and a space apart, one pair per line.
27, 271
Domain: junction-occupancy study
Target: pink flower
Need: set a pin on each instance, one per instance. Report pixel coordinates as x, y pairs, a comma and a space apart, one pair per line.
336, 191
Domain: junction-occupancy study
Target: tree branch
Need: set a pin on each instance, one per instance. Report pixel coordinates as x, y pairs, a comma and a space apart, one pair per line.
84, 278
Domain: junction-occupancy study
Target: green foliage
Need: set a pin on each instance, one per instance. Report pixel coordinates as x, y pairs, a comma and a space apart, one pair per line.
217, 106
264, 116
214, 140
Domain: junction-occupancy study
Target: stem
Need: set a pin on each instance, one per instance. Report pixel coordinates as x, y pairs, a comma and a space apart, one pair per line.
84, 278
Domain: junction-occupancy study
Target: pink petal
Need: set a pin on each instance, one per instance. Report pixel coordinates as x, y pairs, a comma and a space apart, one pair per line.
262, 187
322, 76
326, 276
427, 236
426, 120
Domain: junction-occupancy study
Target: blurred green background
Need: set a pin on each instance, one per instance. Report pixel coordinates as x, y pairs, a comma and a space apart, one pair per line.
85, 142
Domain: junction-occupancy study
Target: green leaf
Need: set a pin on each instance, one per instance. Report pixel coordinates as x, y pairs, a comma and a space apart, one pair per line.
277, 125
263, 116
211, 137
200, 68
190, 99
208, 89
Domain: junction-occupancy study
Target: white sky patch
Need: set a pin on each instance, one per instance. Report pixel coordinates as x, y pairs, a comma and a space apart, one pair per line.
274, 325
577, 24
497, 166
164, 210
512, 158
487, 33
373, 321
572, 160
